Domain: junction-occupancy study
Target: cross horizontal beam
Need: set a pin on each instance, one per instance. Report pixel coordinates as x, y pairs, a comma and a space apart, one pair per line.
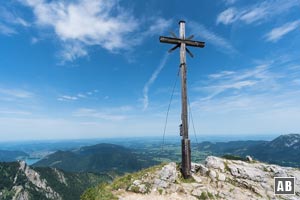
171, 40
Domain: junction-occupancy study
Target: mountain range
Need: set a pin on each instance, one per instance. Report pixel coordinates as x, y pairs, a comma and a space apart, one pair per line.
8, 156
96, 158
283, 150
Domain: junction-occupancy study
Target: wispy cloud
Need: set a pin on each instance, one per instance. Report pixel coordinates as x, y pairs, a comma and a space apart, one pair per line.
230, 82
16, 93
228, 2
227, 16
212, 38
151, 81
260, 95
9, 21
67, 98
159, 25
6, 30
80, 95
92, 113
14, 112
256, 13
221, 74
10, 17
277, 33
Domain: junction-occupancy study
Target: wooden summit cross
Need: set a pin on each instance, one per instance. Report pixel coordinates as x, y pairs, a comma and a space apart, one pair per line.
182, 42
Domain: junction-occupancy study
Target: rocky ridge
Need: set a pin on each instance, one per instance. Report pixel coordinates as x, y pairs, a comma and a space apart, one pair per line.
218, 178
40, 185
18, 181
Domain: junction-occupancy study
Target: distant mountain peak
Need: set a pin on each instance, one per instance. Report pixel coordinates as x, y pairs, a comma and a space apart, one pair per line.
97, 158
291, 140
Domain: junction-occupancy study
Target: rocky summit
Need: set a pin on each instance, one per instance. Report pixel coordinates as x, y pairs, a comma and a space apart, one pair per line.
217, 178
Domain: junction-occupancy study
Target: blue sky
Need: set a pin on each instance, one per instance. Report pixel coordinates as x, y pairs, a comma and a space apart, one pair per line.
95, 68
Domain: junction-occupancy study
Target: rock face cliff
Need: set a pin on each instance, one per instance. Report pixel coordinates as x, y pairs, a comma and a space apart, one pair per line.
18, 181
218, 178
26, 180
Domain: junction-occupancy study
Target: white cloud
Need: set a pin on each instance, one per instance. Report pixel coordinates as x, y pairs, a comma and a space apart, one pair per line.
259, 99
72, 51
277, 33
14, 112
229, 1
85, 23
92, 113
9, 20
6, 30
16, 93
227, 16
67, 98
80, 95
259, 79
212, 38
258, 12
81, 24
253, 15
159, 25
151, 81
221, 74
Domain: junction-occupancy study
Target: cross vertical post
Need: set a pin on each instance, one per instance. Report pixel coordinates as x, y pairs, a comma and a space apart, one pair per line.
185, 142
183, 42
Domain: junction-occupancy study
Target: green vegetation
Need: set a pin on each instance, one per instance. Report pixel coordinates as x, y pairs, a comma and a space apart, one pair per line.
101, 192
203, 196
233, 157
160, 191
210, 195
104, 191
206, 195
95, 159
76, 183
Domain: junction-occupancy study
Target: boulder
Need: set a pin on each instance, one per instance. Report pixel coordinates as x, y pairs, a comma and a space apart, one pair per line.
249, 159
215, 163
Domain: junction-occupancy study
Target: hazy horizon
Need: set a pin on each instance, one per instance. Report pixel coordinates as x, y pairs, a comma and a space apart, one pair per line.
200, 138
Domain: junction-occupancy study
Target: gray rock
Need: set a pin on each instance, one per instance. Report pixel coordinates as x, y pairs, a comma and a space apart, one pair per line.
247, 172
203, 170
215, 163
249, 159
138, 186
221, 177
195, 167
137, 182
169, 173
197, 178
197, 192
212, 174
158, 183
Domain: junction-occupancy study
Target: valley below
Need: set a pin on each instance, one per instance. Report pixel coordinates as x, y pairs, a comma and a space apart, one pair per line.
76, 170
